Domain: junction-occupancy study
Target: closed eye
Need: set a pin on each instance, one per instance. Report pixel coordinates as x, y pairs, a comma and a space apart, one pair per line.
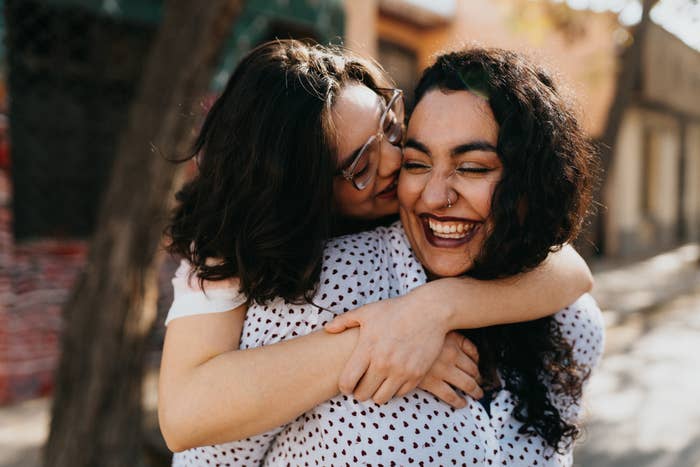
415, 167
474, 170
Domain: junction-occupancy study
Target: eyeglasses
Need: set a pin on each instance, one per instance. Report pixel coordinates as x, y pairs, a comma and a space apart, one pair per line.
363, 168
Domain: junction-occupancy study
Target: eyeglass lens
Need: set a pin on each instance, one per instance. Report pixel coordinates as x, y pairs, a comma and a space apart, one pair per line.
365, 167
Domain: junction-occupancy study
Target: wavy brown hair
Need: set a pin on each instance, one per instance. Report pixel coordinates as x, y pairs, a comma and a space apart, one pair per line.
261, 203
539, 204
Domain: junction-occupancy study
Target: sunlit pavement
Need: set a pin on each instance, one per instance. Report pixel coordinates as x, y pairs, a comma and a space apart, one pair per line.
24, 427
644, 400
23, 430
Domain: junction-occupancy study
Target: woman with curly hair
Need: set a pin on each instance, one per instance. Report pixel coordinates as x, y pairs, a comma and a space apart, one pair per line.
380, 264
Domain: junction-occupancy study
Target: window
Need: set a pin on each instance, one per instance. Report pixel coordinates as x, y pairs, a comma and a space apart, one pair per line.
72, 76
402, 64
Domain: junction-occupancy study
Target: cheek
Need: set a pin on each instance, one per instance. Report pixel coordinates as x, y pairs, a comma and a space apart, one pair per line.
348, 201
409, 190
479, 196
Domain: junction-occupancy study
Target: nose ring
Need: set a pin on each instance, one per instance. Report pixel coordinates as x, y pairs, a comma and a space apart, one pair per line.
449, 201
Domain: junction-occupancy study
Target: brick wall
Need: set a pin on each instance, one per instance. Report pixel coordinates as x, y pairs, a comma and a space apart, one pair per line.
5, 284
36, 278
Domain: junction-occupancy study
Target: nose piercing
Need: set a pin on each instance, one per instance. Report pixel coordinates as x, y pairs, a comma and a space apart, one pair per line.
449, 201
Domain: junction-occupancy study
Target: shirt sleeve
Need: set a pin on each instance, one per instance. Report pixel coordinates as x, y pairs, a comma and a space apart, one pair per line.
189, 298
581, 324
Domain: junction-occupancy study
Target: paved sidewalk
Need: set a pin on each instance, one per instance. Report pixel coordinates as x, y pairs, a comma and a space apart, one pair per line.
625, 292
23, 429
641, 402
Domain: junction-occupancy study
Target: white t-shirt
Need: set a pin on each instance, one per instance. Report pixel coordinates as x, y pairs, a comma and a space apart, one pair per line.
190, 299
417, 429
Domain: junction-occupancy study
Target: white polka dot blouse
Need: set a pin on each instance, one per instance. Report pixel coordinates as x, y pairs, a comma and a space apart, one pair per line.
417, 429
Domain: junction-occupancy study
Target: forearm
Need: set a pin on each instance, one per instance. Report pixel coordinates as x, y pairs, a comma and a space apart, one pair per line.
246, 392
466, 303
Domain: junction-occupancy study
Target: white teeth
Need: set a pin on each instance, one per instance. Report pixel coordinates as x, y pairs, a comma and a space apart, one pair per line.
451, 229
451, 235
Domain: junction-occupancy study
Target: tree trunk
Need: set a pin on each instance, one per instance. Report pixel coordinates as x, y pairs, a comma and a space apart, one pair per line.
96, 414
628, 84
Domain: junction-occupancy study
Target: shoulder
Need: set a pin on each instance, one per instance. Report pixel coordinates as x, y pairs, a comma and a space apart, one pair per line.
190, 297
378, 242
382, 255
358, 254
581, 324
355, 270
370, 243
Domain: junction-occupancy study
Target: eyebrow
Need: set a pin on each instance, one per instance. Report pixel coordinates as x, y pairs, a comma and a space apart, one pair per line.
478, 145
417, 145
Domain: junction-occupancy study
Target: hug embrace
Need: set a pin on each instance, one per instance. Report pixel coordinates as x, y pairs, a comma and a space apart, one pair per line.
312, 326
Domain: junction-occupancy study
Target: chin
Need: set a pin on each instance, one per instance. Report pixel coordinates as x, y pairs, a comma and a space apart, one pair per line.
388, 209
446, 270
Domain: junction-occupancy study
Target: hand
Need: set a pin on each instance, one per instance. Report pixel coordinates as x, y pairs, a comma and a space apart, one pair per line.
399, 342
456, 367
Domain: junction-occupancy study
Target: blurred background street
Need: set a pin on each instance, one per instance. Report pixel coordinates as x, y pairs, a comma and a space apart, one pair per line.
642, 401
92, 95
641, 408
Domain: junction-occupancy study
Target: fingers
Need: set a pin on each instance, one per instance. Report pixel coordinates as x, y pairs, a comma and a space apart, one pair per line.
467, 365
470, 349
406, 388
369, 384
461, 380
381, 389
342, 322
356, 366
386, 391
443, 391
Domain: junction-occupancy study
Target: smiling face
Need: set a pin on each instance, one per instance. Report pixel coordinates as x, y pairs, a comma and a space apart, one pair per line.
450, 152
356, 115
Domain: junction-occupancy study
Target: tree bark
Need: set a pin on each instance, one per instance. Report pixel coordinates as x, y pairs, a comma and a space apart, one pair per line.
626, 89
96, 414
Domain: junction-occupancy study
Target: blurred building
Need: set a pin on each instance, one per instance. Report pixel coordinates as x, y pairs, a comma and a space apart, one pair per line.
653, 190
578, 47
71, 67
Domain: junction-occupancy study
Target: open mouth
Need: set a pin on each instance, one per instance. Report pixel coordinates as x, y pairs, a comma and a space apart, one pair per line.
389, 191
449, 232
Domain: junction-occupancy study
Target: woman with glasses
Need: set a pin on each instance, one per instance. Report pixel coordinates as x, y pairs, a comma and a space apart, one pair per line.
304, 142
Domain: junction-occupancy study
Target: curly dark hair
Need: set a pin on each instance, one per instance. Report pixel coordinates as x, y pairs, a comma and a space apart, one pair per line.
261, 203
539, 204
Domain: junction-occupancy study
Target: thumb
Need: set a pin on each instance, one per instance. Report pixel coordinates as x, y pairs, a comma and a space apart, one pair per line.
342, 322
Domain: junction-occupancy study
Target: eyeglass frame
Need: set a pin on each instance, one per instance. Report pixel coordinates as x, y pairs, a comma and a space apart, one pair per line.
348, 173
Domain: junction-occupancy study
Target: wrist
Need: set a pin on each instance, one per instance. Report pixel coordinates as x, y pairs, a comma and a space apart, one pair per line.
432, 299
